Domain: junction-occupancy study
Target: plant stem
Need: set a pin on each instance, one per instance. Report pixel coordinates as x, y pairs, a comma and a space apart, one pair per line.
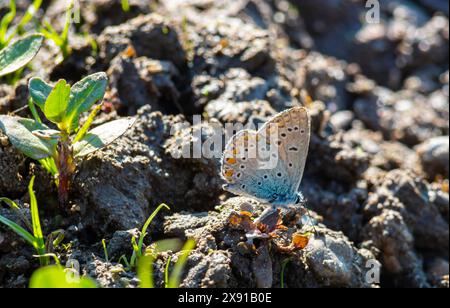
66, 168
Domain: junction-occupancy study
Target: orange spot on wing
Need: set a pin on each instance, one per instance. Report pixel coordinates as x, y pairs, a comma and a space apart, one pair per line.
231, 160
228, 173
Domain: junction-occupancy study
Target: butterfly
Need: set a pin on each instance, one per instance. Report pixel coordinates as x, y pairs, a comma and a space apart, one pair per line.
268, 165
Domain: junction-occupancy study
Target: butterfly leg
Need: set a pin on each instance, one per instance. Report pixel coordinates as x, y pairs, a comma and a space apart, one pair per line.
302, 202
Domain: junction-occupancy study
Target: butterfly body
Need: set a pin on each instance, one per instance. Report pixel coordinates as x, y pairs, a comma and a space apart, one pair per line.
268, 165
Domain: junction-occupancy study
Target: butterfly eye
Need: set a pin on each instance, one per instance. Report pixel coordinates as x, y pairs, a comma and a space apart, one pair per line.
279, 174
283, 135
291, 165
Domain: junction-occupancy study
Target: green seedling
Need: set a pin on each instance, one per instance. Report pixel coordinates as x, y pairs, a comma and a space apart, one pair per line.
56, 277
7, 33
143, 259
33, 235
145, 264
105, 251
138, 247
58, 149
175, 278
61, 40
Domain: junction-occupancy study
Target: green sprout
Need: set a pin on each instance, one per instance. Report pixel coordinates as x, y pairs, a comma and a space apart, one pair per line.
143, 259
175, 278
60, 149
8, 33
105, 250
33, 235
61, 40
138, 247
171, 280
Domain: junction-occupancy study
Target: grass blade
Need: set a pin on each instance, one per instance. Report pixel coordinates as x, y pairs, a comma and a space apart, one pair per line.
32, 10
16, 208
166, 273
36, 223
148, 222
18, 230
175, 278
105, 250
137, 247
145, 272
6, 21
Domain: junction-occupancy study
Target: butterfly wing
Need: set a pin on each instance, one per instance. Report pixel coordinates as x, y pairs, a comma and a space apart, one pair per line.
243, 168
269, 165
293, 127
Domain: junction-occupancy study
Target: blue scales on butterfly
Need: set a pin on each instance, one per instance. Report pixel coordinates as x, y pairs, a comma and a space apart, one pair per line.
268, 164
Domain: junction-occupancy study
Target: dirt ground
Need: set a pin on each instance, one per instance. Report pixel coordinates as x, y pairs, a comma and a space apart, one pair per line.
376, 180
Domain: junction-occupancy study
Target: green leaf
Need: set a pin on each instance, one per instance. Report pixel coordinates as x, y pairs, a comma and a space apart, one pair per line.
39, 91
54, 277
83, 96
19, 54
18, 230
16, 208
102, 136
56, 104
19, 132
